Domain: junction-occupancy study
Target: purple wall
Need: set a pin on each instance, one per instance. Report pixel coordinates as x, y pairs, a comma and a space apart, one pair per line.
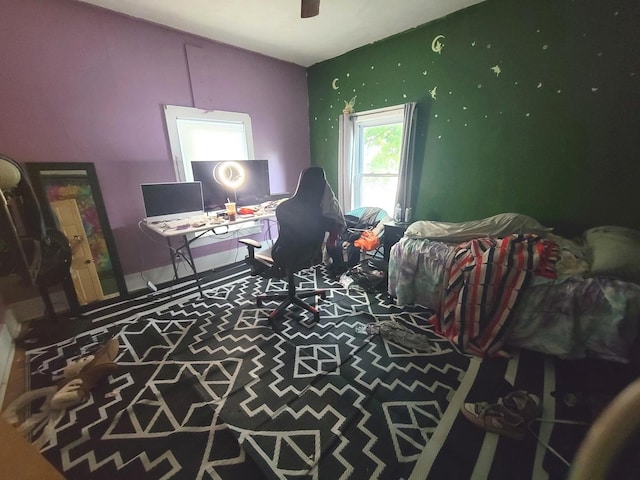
82, 84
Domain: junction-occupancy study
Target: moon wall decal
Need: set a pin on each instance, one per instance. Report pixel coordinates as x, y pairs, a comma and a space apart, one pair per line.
437, 45
334, 84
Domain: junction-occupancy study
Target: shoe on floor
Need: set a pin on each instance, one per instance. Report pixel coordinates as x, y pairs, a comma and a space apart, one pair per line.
80, 376
495, 418
70, 395
77, 389
525, 404
103, 356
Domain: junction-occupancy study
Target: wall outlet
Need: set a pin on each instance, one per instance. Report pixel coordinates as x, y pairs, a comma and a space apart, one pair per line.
152, 286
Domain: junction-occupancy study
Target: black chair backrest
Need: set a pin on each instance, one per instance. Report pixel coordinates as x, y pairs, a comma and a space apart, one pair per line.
301, 224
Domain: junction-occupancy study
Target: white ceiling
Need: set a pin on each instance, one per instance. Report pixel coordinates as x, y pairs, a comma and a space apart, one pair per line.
274, 27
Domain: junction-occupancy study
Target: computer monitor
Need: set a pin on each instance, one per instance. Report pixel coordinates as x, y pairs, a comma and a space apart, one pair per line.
218, 176
172, 200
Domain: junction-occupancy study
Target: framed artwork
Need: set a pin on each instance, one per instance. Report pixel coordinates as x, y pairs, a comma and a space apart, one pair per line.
77, 184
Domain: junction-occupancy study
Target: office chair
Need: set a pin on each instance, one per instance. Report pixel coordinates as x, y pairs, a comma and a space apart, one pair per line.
347, 252
301, 232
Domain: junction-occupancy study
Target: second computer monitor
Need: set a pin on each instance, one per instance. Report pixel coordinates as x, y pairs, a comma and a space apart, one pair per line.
219, 177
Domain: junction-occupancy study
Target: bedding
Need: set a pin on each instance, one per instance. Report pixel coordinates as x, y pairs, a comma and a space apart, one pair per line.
577, 311
499, 225
614, 251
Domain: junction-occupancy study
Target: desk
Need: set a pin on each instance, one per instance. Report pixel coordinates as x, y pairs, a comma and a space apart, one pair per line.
197, 227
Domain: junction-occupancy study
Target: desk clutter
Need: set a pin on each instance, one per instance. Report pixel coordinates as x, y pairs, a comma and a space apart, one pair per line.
190, 222
219, 218
190, 228
265, 208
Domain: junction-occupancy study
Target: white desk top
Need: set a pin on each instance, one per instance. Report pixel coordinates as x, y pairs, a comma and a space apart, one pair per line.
186, 226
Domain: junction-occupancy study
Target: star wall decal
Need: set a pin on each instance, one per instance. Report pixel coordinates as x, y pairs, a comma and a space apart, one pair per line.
496, 69
432, 92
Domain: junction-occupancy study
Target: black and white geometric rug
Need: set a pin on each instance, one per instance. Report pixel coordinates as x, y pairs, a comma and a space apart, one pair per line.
206, 389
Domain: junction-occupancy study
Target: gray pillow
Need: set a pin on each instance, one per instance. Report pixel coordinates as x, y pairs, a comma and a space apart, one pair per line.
614, 251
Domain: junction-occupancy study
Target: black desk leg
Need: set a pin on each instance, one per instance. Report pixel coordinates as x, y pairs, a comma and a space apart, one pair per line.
192, 263
173, 259
188, 259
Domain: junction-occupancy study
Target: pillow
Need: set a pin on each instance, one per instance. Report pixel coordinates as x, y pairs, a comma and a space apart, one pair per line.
500, 225
614, 251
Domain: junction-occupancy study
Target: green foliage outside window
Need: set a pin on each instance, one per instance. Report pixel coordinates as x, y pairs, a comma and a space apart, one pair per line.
382, 146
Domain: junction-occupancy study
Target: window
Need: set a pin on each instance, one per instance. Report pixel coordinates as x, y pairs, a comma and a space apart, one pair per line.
378, 141
370, 167
197, 135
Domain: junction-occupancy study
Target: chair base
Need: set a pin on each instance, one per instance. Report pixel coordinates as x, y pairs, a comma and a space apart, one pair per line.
291, 298
295, 300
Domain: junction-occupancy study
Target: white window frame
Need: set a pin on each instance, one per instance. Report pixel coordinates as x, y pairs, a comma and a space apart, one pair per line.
173, 113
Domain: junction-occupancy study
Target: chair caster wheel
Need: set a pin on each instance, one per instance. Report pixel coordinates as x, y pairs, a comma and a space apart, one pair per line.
323, 295
259, 303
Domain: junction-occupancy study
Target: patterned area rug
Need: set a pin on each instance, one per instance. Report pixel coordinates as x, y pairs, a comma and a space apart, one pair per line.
207, 389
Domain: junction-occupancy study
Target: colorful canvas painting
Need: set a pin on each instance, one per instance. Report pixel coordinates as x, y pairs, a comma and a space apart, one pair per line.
78, 188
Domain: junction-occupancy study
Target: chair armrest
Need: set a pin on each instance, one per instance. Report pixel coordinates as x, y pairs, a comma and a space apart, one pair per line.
250, 242
258, 261
265, 257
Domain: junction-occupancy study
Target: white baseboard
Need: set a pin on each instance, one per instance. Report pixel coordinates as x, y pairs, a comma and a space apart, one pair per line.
33, 308
138, 281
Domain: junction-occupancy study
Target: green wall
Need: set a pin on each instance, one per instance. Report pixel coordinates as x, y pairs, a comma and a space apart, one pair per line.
555, 135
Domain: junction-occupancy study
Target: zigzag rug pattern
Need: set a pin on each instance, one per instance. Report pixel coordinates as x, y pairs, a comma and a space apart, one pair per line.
207, 389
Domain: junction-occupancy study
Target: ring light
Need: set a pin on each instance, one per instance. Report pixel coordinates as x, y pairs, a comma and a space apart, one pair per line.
230, 174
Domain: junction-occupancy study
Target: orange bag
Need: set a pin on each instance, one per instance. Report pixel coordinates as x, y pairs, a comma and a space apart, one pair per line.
367, 241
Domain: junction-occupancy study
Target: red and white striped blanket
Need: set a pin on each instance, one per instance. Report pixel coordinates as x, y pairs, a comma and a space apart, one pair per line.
482, 285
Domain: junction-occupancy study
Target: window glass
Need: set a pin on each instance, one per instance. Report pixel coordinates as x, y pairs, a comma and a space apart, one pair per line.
378, 142
211, 140
199, 135
381, 149
378, 192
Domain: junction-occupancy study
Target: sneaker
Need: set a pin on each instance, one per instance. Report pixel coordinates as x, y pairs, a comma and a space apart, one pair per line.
525, 404
495, 418
104, 358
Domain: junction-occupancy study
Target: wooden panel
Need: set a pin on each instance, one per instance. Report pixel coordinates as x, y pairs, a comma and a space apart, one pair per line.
19, 460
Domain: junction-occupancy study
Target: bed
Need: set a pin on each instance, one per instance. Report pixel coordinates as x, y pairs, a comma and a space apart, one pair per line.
508, 280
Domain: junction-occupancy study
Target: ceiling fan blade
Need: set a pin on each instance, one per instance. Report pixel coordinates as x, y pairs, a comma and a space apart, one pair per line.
309, 8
